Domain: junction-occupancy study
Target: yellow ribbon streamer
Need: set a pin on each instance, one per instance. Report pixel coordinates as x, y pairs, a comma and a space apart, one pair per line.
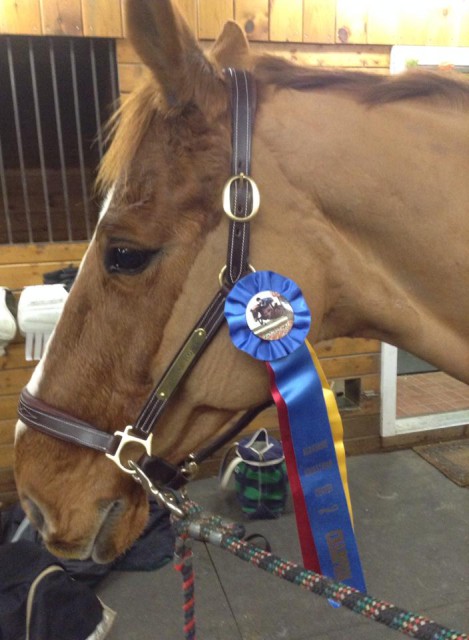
336, 425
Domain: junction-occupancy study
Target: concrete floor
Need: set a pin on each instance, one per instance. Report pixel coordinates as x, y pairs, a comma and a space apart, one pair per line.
412, 527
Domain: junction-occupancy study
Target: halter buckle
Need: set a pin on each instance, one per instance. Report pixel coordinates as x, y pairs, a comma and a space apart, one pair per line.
256, 198
127, 438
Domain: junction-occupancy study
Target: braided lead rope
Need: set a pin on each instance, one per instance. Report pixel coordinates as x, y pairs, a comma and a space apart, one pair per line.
183, 564
215, 530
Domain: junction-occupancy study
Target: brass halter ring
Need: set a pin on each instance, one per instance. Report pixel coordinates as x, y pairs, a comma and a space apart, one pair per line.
222, 273
256, 198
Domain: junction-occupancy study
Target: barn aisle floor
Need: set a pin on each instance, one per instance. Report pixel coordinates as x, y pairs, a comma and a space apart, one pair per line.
412, 526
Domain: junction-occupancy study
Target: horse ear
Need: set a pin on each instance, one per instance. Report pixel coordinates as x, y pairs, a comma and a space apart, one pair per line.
166, 45
231, 48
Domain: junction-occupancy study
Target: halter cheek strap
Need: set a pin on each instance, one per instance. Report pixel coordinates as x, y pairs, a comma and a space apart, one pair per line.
240, 203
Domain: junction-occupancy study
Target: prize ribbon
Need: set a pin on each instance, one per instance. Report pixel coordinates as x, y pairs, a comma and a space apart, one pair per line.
269, 319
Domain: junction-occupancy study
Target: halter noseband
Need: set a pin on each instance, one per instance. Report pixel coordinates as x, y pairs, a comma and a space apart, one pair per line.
240, 203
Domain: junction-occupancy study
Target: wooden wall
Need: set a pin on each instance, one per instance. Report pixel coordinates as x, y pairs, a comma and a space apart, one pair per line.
354, 34
22, 265
370, 22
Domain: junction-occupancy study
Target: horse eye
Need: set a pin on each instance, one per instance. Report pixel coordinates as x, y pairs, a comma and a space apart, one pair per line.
127, 261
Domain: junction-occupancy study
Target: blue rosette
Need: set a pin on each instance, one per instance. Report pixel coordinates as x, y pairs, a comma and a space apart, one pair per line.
237, 310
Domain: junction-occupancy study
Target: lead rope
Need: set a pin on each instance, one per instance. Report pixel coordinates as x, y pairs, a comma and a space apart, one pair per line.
213, 529
184, 565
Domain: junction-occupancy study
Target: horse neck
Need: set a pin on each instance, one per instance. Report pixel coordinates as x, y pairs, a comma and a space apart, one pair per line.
358, 187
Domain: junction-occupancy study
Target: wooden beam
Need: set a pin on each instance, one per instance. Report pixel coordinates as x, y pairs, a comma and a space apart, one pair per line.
7, 430
125, 52
212, 17
62, 17
189, 11
102, 18
353, 367
13, 380
20, 275
352, 21
347, 346
20, 17
129, 76
13, 359
286, 20
253, 17
319, 21
18, 253
323, 55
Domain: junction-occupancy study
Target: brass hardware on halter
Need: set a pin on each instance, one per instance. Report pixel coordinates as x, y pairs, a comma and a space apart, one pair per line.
180, 365
190, 467
256, 198
223, 270
164, 497
127, 438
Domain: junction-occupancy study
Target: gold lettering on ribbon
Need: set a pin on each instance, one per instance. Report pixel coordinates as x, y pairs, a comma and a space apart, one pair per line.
314, 448
324, 490
326, 510
338, 553
317, 468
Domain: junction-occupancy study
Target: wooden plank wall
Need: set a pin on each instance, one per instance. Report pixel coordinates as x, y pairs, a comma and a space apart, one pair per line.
422, 22
22, 265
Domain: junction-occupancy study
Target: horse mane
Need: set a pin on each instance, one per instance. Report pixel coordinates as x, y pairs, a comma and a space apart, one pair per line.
369, 88
129, 123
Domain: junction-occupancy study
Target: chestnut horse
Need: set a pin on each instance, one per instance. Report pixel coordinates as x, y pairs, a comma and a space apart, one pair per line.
364, 204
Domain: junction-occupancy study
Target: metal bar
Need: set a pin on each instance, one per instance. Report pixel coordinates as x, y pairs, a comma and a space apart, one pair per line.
113, 71
58, 123
76, 105
19, 140
97, 111
6, 203
40, 143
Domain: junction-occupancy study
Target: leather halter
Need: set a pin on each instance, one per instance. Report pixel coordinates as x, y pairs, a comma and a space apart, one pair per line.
241, 200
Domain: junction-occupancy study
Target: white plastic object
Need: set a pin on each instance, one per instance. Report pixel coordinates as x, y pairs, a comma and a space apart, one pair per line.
39, 309
7, 320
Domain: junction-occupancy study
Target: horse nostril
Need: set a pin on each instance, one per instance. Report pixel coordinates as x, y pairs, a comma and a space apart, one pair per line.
34, 514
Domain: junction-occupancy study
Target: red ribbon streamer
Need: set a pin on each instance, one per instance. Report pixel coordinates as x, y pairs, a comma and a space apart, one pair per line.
308, 548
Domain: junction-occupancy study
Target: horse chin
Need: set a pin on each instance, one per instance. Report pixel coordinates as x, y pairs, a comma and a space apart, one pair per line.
117, 528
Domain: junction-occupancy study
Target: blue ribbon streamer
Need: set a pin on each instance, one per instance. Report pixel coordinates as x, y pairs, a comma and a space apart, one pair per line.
299, 385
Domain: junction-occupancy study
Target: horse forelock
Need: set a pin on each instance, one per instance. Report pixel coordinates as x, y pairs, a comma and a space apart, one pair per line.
125, 131
366, 87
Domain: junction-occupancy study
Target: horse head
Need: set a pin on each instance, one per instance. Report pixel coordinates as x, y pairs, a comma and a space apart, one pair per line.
151, 268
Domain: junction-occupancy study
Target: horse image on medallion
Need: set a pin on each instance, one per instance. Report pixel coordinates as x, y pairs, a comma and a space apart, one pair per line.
269, 315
